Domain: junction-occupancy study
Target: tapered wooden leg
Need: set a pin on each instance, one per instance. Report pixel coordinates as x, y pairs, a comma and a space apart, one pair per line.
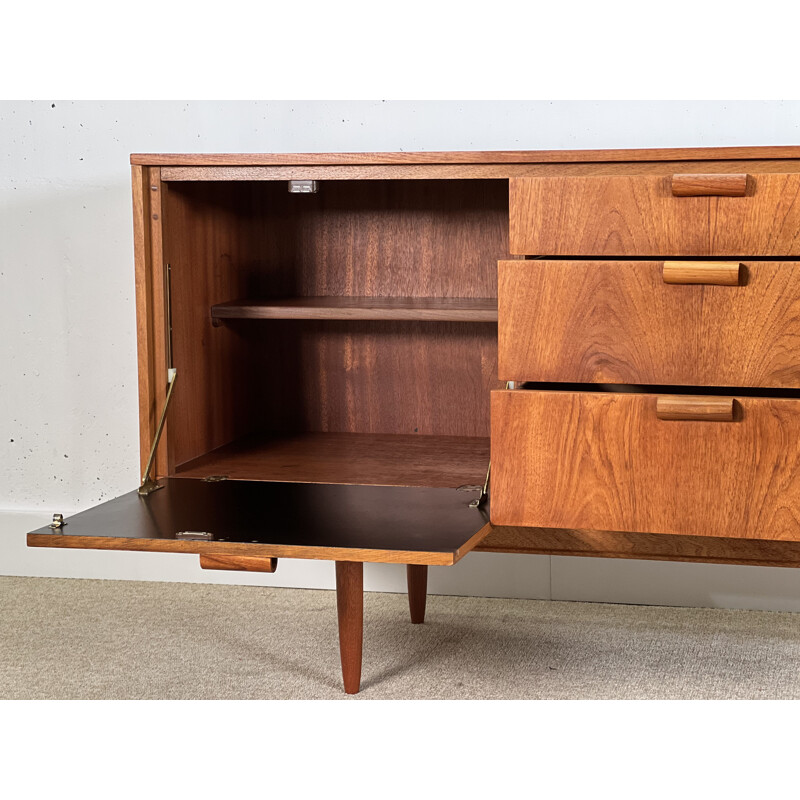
350, 605
417, 575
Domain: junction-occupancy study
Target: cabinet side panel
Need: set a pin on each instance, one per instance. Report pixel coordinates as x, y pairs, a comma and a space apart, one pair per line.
141, 234
213, 257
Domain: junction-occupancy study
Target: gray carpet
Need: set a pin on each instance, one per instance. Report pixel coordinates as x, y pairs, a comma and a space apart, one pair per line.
129, 639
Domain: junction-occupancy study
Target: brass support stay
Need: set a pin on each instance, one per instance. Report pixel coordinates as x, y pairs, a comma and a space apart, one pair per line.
148, 484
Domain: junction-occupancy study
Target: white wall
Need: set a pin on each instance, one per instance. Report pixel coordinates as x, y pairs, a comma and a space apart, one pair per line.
68, 405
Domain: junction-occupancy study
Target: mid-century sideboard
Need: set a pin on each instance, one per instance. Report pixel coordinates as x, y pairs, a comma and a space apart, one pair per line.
333, 347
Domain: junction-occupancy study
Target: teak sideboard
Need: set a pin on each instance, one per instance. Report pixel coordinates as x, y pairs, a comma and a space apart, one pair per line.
334, 347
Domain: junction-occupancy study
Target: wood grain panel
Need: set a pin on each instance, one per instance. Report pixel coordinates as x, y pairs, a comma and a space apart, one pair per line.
390, 239
638, 216
411, 378
604, 461
648, 546
618, 322
467, 157
349, 458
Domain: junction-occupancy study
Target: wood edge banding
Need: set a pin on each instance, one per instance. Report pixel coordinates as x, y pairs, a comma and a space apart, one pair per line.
472, 542
432, 558
469, 156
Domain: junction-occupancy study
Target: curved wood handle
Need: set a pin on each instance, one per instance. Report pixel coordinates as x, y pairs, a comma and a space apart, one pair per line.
718, 273
699, 408
709, 185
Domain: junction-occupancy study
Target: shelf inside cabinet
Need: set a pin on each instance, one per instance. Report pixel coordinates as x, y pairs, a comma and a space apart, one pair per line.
349, 458
433, 309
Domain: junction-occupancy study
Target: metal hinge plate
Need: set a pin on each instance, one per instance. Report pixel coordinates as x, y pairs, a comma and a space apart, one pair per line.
195, 536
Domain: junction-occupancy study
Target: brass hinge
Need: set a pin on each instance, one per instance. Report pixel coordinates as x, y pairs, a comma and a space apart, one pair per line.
58, 521
484, 495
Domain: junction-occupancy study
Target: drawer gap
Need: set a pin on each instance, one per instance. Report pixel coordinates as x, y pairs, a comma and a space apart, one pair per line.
628, 388
659, 258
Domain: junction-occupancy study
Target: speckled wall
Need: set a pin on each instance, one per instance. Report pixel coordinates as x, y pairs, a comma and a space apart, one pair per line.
68, 404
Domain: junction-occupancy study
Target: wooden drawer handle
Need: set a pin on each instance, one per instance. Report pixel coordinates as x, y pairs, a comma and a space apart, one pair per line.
718, 273
240, 563
700, 408
709, 185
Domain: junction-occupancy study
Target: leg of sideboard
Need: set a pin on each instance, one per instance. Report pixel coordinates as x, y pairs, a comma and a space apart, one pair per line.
417, 575
350, 605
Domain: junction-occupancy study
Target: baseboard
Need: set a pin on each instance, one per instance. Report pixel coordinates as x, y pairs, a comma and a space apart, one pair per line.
669, 583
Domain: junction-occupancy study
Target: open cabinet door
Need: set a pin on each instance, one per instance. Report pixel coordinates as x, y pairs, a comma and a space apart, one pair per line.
248, 525
396, 524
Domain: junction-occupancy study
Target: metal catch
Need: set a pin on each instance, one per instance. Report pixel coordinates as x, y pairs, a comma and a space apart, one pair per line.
58, 521
303, 187
195, 536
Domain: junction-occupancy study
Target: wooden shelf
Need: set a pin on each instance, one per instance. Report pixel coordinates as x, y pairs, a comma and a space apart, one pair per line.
435, 309
350, 458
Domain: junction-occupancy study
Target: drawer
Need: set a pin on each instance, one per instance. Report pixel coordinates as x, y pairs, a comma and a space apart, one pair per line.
606, 461
639, 215
621, 322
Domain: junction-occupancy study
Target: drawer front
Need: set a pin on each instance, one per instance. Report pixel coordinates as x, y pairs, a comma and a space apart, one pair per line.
640, 215
620, 322
606, 461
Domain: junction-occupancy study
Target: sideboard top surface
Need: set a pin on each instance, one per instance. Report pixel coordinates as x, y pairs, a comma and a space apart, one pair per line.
464, 157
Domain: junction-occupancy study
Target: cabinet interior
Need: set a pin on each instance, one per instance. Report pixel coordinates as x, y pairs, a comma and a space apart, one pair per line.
354, 334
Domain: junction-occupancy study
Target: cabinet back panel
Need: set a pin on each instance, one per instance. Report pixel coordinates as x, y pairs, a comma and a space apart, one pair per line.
376, 377
228, 241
